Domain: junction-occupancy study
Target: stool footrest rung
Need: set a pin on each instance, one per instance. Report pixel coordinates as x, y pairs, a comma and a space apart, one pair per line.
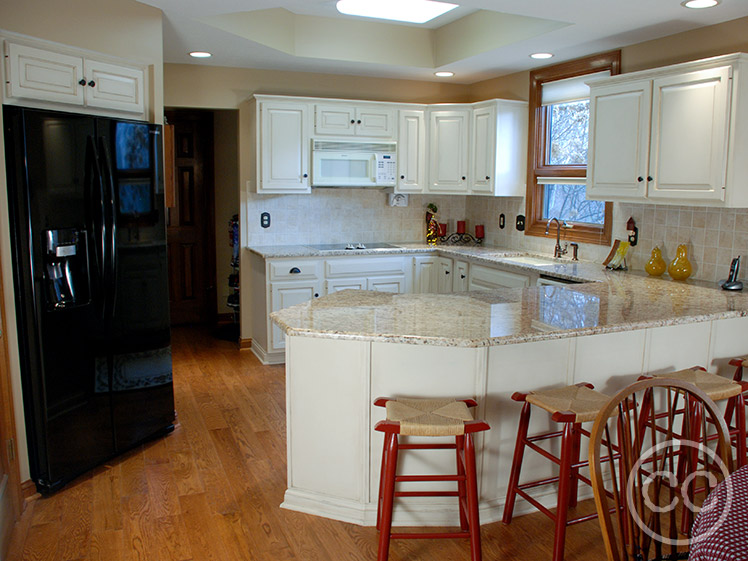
538, 483
427, 494
429, 535
399, 478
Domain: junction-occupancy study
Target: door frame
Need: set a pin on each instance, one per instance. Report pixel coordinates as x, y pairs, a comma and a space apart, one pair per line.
209, 212
8, 438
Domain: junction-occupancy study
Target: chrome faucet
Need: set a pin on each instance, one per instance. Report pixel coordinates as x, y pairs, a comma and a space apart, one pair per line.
557, 251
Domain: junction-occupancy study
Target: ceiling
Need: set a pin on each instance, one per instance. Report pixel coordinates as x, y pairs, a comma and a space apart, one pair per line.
479, 40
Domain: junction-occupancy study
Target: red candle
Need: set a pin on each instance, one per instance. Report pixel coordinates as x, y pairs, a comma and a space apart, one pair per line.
442, 229
479, 231
460, 226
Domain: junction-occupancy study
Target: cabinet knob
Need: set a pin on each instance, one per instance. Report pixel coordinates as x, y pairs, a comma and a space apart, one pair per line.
487, 178
82, 82
464, 178
316, 294
649, 178
294, 271
446, 272
462, 276
358, 122
306, 175
92, 83
353, 121
640, 179
402, 177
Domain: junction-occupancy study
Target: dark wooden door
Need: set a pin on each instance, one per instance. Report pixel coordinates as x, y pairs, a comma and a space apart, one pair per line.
190, 227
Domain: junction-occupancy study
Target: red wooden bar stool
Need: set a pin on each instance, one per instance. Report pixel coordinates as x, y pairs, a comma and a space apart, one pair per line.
571, 406
718, 388
429, 417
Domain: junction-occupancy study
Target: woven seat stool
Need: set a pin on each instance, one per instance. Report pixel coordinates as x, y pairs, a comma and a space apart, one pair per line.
429, 417
570, 406
718, 388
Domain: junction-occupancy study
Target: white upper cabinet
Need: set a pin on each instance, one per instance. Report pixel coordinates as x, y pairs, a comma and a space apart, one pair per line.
50, 77
448, 152
673, 135
411, 152
283, 147
498, 149
351, 120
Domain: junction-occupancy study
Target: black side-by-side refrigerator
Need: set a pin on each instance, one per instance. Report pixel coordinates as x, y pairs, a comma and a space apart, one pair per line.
90, 274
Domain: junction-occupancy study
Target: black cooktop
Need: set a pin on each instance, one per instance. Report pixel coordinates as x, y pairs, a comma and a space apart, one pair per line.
350, 246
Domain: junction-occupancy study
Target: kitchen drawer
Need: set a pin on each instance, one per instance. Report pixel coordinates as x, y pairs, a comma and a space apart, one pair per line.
364, 266
485, 278
294, 269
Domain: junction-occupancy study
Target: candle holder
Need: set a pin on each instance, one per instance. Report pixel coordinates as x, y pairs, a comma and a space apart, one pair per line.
460, 239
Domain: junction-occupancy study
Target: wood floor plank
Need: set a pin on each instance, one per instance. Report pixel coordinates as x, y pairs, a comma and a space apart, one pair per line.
211, 490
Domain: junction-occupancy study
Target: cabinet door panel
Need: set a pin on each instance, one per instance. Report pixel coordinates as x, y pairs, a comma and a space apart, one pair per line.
285, 148
44, 75
444, 268
689, 135
283, 295
483, 152
619, 140
411, 152
485, 278
115, 87
334, 119
424, 274
336, 285
375, 122
460, 276
395, 284
449, 154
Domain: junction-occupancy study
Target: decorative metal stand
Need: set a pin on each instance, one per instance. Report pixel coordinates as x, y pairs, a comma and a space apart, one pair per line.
460, 239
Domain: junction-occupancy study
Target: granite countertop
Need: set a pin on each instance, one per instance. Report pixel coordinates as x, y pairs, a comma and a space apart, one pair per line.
607, 301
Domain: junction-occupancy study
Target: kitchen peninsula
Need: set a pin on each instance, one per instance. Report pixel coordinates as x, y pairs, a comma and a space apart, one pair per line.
345, 349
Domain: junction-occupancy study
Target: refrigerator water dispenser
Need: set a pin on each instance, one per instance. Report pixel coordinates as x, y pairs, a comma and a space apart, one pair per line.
66, 268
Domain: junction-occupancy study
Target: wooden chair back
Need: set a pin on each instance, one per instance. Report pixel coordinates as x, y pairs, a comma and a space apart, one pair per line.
663, 466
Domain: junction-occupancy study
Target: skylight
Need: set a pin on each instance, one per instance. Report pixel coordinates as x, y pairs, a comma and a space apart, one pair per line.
411, 11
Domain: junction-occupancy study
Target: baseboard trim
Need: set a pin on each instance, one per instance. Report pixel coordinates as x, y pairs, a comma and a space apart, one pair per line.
245, 344
266, 358
29, 492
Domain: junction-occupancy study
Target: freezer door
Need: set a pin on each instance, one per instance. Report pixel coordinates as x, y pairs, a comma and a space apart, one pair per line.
141, 383
54, 195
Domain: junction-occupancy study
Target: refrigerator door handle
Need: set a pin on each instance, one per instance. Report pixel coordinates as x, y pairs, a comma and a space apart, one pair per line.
112, 242
95, 198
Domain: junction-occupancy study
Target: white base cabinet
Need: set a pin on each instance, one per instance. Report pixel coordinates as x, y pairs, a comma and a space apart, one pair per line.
345, 376
673, 135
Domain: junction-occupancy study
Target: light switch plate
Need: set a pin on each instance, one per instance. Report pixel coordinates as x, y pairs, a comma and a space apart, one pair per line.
397, 199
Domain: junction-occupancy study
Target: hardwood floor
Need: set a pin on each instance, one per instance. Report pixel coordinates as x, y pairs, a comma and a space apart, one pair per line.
211, 489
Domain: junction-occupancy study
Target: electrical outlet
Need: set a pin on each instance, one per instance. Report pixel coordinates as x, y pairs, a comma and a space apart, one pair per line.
502, 221
520, 223
265, 220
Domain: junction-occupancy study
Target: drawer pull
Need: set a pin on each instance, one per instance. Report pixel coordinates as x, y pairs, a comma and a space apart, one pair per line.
294, 271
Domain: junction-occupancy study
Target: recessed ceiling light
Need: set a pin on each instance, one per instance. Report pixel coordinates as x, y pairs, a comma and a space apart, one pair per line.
541, 56
697, 4
411, 11
444, 74
200, 54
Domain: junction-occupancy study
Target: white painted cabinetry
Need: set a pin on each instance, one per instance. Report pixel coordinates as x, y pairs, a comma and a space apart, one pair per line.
488, 278
425, 274
448, 150
382, 274
411, 152
283, 146
444, 266
38, 74
672, 135
355, 120
460, 280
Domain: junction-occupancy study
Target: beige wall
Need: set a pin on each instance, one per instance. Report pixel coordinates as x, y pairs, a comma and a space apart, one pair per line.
192, 85
120, 28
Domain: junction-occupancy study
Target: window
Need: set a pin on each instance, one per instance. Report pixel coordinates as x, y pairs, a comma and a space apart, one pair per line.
557, 159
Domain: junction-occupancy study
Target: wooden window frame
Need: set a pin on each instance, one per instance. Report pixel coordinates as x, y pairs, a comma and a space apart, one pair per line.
536, 149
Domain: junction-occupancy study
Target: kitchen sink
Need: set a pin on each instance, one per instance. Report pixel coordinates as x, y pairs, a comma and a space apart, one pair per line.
531, 260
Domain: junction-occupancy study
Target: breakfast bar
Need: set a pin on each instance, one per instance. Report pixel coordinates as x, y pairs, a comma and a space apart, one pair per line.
345, 349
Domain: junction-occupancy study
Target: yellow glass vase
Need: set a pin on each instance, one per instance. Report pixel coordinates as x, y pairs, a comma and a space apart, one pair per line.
680, 267
656, 265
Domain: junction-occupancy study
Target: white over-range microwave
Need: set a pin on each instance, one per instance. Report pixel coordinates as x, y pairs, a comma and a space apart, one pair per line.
353, 164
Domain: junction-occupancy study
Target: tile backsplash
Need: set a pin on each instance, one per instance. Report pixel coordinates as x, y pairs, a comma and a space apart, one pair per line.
713, 236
